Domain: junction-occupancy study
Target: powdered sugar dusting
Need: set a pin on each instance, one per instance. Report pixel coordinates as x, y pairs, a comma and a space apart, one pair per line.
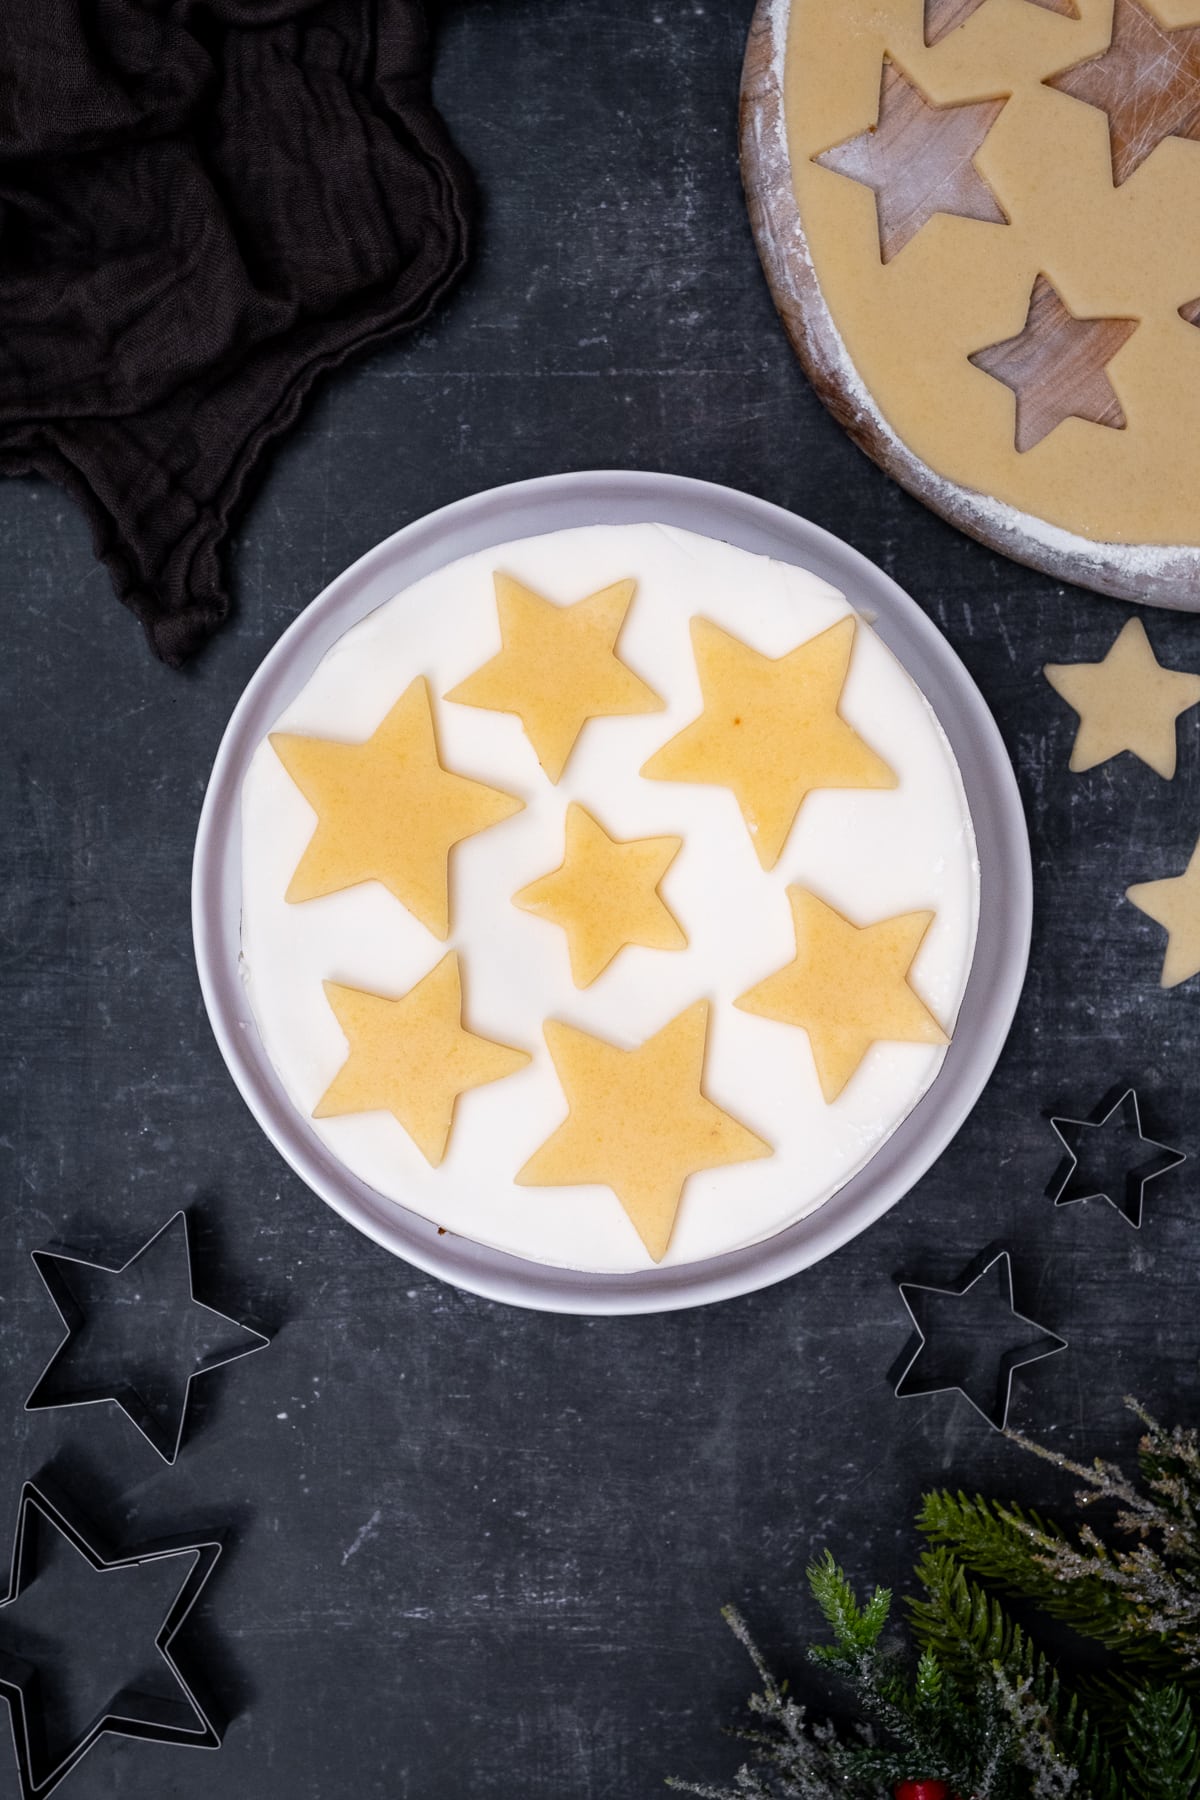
1163, 574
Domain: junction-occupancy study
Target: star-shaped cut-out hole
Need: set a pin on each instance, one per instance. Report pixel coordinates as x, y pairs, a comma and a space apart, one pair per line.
638, 1122
1128, 701
606, 895
136, 1335
848, 987
1056, 367
918, 160
87, 1641
972, 1340
944, 16
412, 1057
1174, 903
388, 810
1147, 81
1109, 1157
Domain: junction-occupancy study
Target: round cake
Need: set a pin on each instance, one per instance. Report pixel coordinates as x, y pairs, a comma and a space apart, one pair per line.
608, 897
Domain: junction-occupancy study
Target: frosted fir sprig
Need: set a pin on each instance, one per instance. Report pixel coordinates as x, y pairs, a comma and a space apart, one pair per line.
1051, 1776
794, 1758
1156, 1578
974, 1708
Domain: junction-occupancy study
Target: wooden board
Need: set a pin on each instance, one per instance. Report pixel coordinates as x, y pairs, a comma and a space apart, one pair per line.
1164, 575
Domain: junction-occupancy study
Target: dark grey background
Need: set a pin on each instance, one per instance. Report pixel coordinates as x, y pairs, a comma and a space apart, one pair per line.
478, 1551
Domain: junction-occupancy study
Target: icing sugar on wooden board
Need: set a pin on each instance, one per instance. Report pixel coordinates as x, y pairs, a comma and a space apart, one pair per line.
1162, 574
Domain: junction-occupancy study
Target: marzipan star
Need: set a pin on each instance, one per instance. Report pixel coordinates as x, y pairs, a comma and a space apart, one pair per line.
558, 668
638, 1122
412, 1057
771, 731
388, 811
918, 161
1127, 702
605, 895
1175, 905
847, 987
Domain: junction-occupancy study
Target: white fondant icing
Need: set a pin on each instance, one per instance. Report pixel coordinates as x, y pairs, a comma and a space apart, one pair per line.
869, 853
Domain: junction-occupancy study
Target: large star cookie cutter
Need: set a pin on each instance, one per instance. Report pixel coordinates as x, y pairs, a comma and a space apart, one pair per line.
180, 1717
98, 1303
971, 1339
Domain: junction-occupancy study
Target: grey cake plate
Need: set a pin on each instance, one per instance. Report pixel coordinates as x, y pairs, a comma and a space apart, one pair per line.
554, 503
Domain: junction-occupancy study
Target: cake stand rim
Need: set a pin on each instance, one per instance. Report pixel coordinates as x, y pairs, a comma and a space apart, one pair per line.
502, 514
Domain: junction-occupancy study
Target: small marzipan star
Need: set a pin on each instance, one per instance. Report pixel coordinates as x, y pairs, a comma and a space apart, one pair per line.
558, 667
1127, 702
388, 811
848, 987
1175, 905
605, 895
412, 1057
771, 731
639, 1122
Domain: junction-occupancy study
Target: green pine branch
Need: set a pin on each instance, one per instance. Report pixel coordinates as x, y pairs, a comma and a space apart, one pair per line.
856, 1629
975, 1702
1164, 1746
961, 1623
1011, 1547
969, 1631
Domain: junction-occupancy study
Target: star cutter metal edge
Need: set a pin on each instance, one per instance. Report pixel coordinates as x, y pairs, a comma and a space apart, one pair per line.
48, 1263
1136, 1181
149, 1723
1009, 1363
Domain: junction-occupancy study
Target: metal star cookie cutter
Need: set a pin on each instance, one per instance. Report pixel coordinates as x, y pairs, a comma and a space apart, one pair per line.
162, 1427
982, 1366
1071, 1134
148, 1717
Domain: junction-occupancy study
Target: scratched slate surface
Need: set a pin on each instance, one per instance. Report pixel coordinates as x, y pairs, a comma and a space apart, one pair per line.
477, 1551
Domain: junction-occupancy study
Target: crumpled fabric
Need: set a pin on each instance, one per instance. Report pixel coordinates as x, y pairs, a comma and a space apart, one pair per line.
202, 207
